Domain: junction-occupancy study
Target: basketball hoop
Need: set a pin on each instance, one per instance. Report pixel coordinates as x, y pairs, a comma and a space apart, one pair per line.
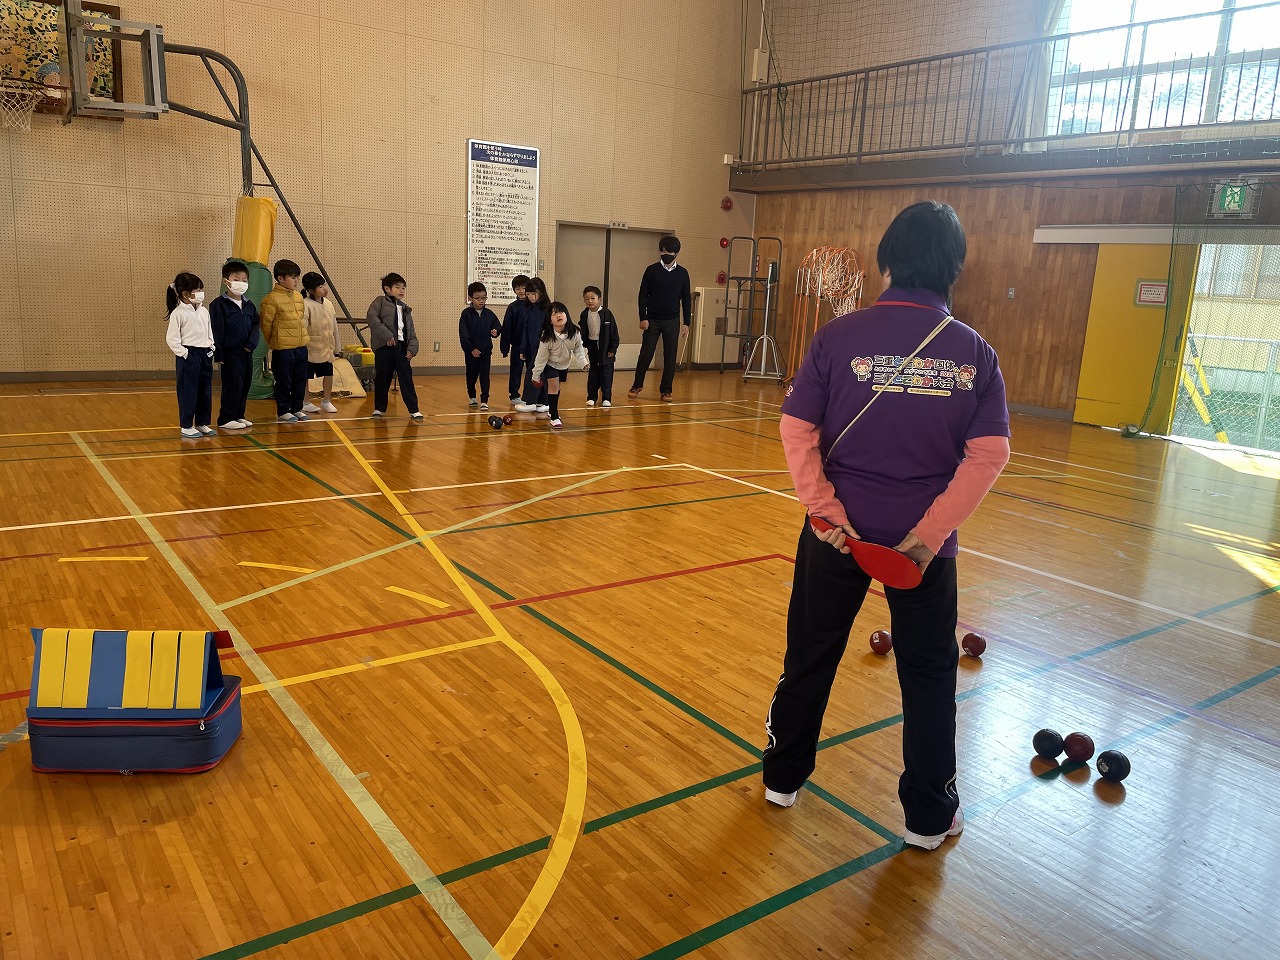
18, 100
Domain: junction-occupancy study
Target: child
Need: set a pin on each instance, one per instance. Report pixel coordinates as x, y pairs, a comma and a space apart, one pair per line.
537, 310
560, 340
322, 329
395, 343
478, 327
285, 329
190, 337
234, 319
600, 336
512, 334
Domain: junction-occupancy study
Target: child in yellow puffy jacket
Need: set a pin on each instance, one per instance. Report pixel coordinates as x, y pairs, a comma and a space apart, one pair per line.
285, 330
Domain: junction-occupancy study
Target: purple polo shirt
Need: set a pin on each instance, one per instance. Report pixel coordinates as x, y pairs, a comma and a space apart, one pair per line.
900, 456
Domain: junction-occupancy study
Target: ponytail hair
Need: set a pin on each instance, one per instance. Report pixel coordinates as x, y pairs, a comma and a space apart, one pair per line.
182, 283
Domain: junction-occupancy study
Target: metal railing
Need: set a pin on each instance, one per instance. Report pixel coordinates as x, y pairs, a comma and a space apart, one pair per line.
1117, 83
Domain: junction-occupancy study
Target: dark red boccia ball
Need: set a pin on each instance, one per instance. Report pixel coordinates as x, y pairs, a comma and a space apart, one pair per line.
881, 642
508, 419
1047, 743
974, 644
1113, 765
1078, 747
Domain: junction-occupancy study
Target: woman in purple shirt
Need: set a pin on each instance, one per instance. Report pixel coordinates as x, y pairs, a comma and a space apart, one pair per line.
930, 438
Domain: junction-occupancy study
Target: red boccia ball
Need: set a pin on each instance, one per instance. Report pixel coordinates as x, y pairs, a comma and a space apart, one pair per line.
881, 642
1078, 747
974, 644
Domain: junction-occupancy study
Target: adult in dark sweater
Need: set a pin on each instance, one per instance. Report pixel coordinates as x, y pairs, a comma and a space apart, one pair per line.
665, 296
478, 327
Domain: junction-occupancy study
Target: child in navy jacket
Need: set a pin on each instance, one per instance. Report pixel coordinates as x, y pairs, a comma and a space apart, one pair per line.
235, 336
600, 337
513, 334
478, 327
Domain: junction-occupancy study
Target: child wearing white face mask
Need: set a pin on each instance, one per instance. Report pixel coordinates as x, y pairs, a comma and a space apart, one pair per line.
190, 337
235, 336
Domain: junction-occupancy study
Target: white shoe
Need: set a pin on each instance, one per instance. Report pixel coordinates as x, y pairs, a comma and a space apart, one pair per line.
189, 432
299, 415
527, 407
484, 406
416, 415
781, 799
328, 407
246, 423
557, 423
286, 418
591, 403
376, 415
207, 430
543, 408
232, 425
311, 408
471, 402
606, 403
932, 843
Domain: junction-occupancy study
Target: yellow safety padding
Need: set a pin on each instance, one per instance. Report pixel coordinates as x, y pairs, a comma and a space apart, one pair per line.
164, 670
53, 664
1195, 397
75, 684
137, 670
191, 648
255, 229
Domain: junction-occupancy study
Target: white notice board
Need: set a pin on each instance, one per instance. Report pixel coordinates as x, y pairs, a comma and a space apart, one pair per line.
502, 215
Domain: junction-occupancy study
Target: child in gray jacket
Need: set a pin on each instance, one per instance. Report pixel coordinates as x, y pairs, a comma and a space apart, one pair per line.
560, 342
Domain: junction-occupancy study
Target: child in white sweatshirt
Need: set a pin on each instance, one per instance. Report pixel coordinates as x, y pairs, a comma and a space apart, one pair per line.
190, 337
560, 341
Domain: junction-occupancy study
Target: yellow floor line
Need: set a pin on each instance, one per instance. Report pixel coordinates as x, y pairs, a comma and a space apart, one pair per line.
275, 566
366, 665
571, 818
439, 604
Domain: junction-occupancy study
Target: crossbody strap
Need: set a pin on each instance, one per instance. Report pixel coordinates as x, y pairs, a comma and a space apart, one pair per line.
876, 394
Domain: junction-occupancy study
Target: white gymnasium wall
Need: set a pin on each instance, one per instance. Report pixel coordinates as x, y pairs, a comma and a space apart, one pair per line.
363, 112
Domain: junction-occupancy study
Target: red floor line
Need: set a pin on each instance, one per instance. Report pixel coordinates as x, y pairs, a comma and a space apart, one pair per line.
383, 627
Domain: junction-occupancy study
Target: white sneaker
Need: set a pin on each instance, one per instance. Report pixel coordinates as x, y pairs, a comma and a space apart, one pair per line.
557, 423
190, 432
246, 423
526, 407
484, 406
606, 404
311, 408
932, 843
416, 415
207, 430
328, 407
781, 799
471, 402
286, 418
299, 415
543, 408
232, 425
591, 403
376, 415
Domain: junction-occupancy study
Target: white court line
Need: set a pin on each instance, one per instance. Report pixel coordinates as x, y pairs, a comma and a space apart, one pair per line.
301, 500
1190, 618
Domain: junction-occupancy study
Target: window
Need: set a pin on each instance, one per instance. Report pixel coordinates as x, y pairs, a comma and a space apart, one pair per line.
1238, 271
1205, 61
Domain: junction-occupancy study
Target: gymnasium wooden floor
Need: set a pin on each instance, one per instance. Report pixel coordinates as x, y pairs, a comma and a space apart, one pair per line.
549, 741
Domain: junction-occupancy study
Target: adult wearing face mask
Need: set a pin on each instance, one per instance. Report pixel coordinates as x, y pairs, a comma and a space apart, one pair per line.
665, 296
235, 336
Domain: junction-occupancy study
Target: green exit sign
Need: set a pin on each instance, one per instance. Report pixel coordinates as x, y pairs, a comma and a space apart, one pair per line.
1233, 199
